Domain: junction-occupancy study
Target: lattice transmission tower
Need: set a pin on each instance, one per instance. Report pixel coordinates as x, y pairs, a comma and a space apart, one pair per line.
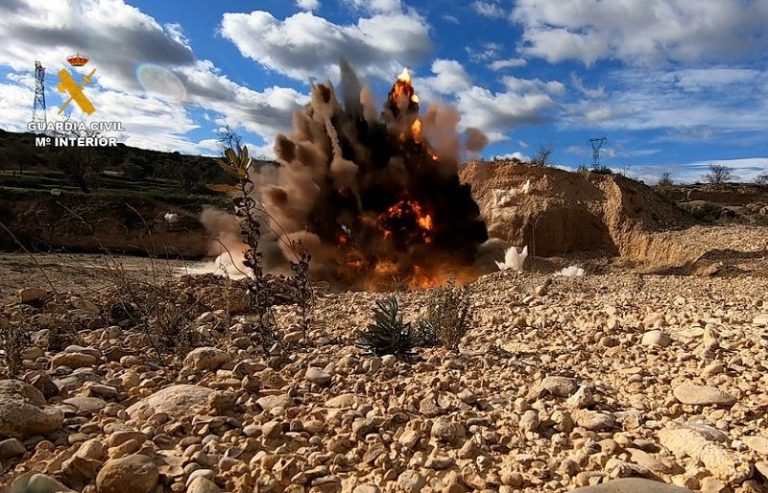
597, 144
38, 109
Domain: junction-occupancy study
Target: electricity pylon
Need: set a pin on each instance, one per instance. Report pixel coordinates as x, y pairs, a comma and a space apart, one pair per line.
597, 144
38, 108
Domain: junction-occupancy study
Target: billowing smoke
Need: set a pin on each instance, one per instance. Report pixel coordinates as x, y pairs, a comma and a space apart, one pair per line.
374, 195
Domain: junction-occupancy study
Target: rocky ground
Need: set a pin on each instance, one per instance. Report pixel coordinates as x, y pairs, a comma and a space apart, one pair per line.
571, 382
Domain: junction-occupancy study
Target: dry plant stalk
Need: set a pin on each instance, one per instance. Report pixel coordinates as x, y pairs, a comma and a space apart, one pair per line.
237, 164
447, 320
14, 339
172, 327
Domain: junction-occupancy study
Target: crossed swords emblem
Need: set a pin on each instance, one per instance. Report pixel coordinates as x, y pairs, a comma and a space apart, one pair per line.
75, 91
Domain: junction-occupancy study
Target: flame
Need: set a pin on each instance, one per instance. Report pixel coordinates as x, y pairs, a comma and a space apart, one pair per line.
427, 278
408, 222
402, 91
421, 280
386, 268
356, 264
425, 222
416, 131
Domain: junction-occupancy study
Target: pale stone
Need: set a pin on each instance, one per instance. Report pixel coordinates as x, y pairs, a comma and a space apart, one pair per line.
318, 376
132, 474
632, 485
176, 401
205, 359
24, 413
702, 395
722, 463
657, 338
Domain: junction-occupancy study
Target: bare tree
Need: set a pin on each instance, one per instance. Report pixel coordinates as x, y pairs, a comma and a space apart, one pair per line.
541, 158
718, 174
762, 179
228, 138
665, 180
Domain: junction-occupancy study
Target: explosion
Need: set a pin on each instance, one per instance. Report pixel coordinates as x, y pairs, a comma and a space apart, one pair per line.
374, 195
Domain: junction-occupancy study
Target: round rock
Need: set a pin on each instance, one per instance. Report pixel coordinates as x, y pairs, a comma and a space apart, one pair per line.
632, 485
702, 395
176, 401
132, 474
24, 413
318, 377
202, 485
657, 338
205, 359
557, 386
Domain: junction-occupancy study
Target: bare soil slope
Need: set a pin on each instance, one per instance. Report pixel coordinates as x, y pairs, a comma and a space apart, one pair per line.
563, 213
566, 212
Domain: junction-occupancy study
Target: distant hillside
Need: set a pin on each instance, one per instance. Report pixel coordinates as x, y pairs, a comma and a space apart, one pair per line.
743, 203
85, 199
24, 166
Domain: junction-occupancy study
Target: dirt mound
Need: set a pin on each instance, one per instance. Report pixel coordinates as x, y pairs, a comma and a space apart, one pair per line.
557, 212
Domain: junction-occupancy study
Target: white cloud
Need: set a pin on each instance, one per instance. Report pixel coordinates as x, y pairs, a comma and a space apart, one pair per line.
308, 4
489, 51
533, 85
488, 9
523, 102
450, 77
687, 134
643, 31
520, 102
508, 63
514, 155
263, 112
379, 6
264, 151
701, 79
115, 36
589, 93
17, 102
689, 99
602, 113
304, 45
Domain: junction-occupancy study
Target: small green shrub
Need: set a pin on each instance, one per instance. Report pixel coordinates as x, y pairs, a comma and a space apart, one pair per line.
601, 170
388, 334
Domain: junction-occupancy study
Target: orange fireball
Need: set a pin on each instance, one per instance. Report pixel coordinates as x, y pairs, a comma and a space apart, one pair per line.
416, 131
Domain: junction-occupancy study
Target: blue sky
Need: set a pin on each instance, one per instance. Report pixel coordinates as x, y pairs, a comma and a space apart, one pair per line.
672, 84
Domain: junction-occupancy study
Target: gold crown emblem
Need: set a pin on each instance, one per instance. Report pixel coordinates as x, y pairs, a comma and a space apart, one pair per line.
77, 60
